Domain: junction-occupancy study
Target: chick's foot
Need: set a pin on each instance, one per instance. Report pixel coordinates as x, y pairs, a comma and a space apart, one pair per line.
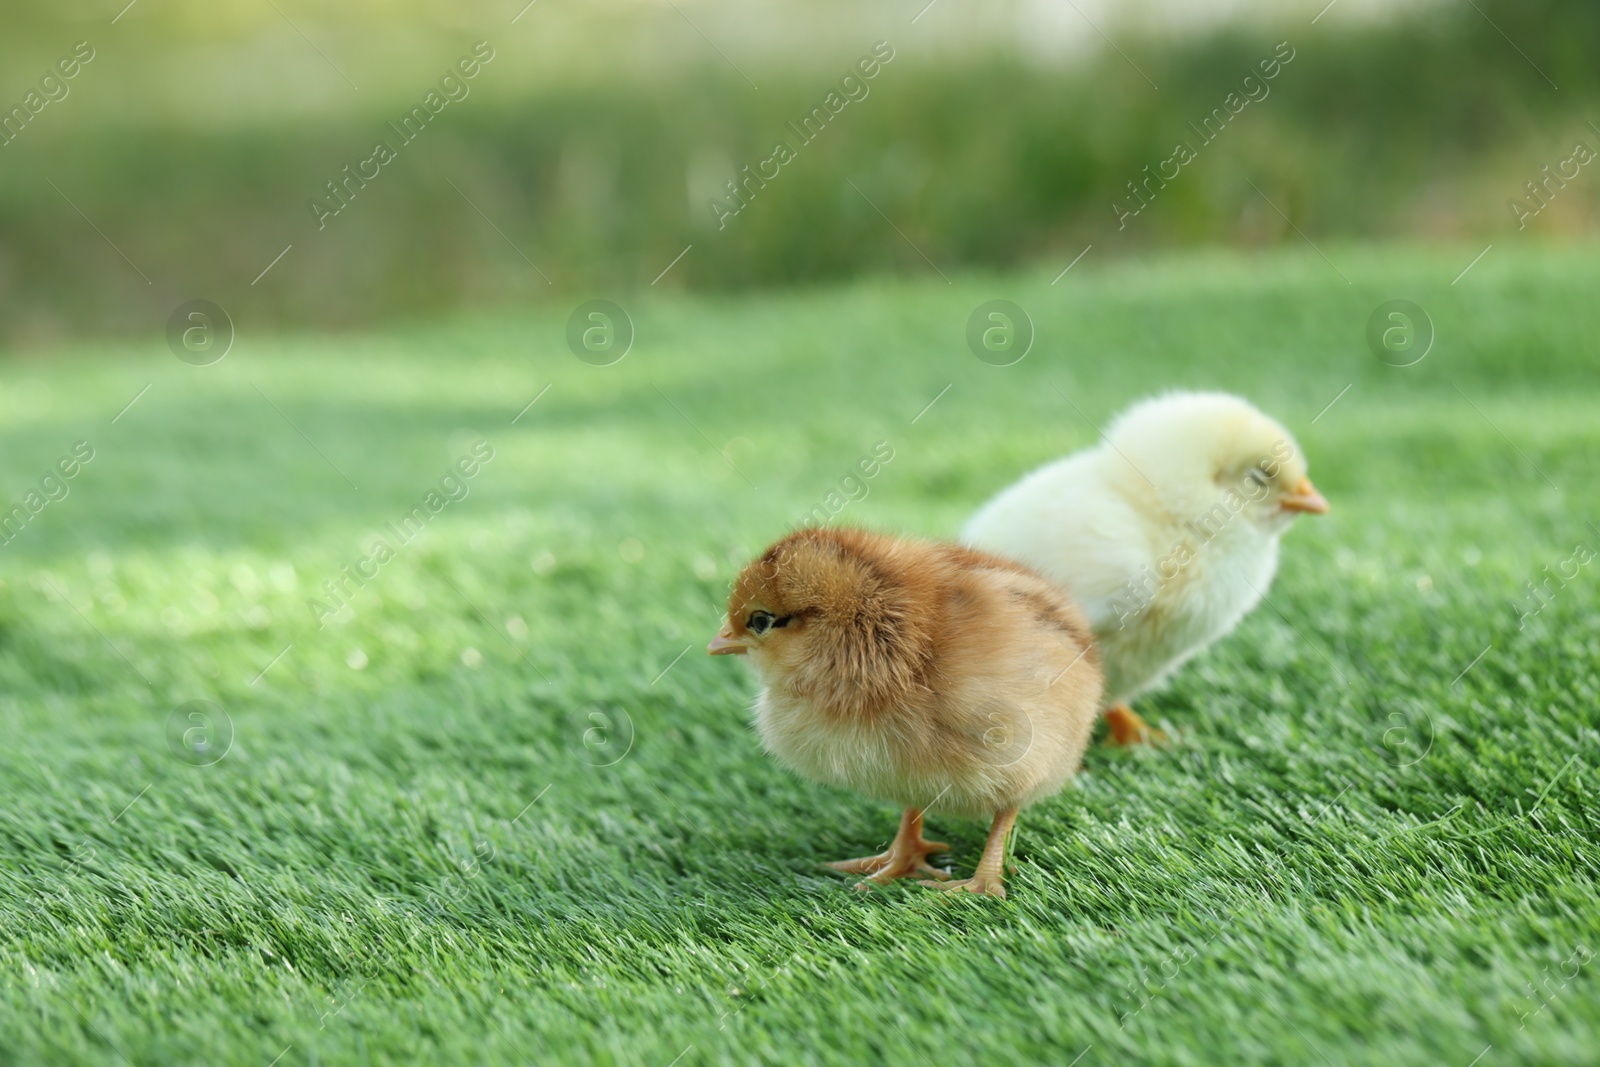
987, 879
989, 886
1127, 728
907, 857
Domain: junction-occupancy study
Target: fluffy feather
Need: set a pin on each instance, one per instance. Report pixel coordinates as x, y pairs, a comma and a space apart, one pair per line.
1166, 533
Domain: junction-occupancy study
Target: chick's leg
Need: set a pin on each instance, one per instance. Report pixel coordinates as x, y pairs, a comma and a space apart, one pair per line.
987, 879
907, 855
1127, 728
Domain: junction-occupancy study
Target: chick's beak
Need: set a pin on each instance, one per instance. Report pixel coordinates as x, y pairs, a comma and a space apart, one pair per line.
724, 643
1305, 498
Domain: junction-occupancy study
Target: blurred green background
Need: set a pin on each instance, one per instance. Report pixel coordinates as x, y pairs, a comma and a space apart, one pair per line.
182, 159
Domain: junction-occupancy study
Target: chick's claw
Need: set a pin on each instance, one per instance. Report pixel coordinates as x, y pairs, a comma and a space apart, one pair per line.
884, 878
888, 866
989, 887
907, 856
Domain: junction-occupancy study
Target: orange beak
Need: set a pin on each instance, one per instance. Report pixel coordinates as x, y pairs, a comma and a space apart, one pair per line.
724, 644
1305, 498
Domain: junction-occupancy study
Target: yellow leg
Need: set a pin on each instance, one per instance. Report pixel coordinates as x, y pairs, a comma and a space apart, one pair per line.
989, 876
1127, 728
907, 855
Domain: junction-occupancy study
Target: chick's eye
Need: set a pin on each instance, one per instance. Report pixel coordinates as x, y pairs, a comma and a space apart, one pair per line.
759, 622
1257, 477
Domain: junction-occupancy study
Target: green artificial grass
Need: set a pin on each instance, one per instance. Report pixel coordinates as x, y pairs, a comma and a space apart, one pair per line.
503, 809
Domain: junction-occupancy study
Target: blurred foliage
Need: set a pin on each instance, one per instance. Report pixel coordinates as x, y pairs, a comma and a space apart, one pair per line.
1424, 126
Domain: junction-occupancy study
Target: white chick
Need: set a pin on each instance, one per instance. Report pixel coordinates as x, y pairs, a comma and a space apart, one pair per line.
1166, 534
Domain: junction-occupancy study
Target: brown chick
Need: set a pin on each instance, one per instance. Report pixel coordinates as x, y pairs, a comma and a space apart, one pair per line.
934, 676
